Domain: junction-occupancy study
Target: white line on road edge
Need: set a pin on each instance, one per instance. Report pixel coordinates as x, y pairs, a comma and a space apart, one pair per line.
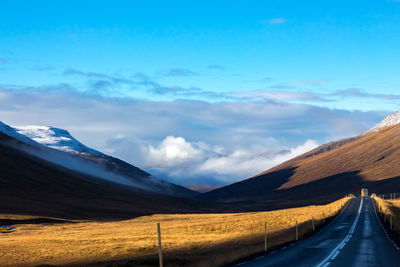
335, 255
334, 219
335, 252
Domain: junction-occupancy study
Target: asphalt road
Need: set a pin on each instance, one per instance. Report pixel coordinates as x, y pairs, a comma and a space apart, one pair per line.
354, 238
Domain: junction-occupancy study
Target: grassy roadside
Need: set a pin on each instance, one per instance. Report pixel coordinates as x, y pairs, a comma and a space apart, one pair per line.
389, 214
190, 240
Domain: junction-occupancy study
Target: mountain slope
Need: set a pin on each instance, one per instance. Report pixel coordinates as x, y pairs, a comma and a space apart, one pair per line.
59, 147
370, 160
8, 130
390, 120
56, 138
31, 185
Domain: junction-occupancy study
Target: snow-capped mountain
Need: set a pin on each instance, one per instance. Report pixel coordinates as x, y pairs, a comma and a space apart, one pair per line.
58, 146
46, 182
8, 130
56, 138
390, 120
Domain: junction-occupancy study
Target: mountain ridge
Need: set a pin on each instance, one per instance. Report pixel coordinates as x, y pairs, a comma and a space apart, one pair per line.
56, 138
58, 146
42, 188
370, 159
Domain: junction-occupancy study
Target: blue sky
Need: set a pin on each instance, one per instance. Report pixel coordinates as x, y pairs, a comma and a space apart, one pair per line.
337, 58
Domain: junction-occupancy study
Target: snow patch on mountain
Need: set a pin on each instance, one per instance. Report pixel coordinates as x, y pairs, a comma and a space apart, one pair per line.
56, 138
10, 131
390, 120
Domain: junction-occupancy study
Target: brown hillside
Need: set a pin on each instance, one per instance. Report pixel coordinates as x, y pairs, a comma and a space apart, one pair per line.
376, 156
334, 169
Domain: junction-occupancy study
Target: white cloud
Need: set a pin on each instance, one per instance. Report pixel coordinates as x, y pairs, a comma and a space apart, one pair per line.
172, 151
182, 159
188, 142
248, 162
285, 96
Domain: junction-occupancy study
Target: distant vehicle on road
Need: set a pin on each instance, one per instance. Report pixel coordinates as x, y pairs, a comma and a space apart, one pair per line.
364, 192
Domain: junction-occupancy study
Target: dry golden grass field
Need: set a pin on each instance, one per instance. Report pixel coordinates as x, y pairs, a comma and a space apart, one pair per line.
191, 240
389, 213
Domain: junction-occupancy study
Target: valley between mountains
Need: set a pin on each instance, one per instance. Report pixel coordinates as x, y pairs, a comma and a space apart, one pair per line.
51, 182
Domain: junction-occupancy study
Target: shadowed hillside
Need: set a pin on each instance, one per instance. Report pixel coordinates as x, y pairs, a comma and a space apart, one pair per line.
29, 185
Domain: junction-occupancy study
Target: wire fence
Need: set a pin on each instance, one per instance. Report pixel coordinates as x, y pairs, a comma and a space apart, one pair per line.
269, 239
389, 196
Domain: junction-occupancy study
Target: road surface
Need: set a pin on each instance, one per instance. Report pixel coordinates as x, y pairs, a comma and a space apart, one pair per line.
354, 238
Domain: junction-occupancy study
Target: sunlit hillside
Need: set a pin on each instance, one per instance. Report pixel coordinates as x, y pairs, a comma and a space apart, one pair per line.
370, 161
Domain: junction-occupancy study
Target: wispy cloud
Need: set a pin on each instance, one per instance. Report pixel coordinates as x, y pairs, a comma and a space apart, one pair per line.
274, 21
70, 72
100, 86
159, 89
117, 85
175, 72
286, 96
281, 86
120, 86
215, 67
110, 85
117, 79
360, 93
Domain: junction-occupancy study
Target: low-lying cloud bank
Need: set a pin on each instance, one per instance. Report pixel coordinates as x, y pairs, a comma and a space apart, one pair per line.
219, 163
193, 143
186, 161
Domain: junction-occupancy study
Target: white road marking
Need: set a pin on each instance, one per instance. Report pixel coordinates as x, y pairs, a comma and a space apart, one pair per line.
335, 252
324, 244
342, 245
335, 255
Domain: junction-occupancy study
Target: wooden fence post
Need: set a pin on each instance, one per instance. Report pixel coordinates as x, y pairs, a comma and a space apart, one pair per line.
159, 245
266, 237
313, 224
391, 222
